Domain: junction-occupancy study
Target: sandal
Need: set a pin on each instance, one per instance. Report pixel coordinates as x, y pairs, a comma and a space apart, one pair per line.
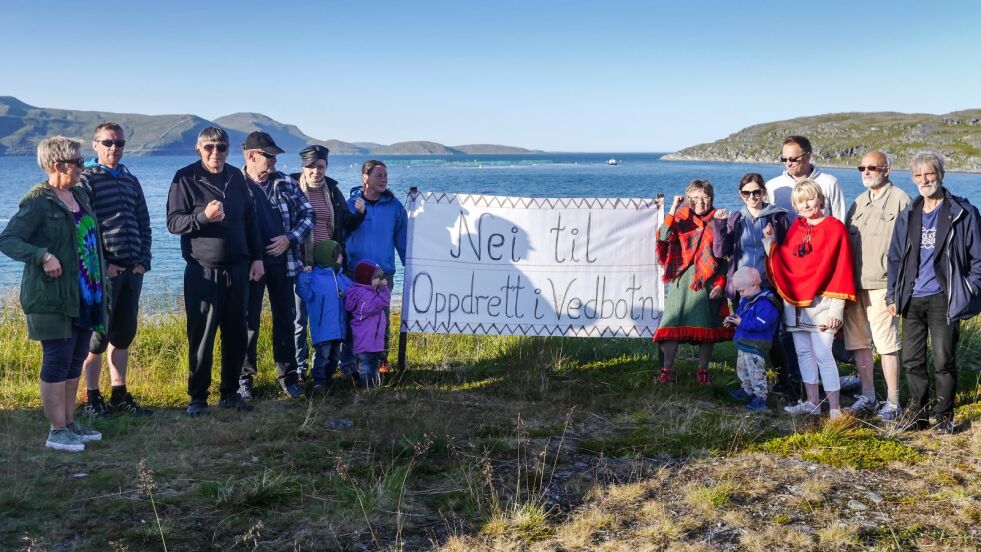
703, 376
666, 376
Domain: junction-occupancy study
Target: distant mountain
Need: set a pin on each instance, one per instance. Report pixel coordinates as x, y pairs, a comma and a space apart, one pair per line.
415, 148
493, 149
840, 139
287, 137
22, 126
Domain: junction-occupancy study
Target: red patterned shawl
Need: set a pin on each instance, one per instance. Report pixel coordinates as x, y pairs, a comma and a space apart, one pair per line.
689, 241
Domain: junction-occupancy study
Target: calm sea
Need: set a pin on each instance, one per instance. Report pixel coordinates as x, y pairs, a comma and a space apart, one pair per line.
541, 175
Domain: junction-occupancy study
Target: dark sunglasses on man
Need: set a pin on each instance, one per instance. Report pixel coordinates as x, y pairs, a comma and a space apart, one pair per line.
873, 168
111, 143
220, 147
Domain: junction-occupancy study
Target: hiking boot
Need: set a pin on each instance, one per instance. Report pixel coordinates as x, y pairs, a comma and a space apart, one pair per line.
128, 405
758, 404
197, 408
235, 402
63, 439
803, 407
740, 394
946, 427
666, 376
890, 412
384, 367
245, 389
85, 434
293, 390
97, 409
849, 383
862, 406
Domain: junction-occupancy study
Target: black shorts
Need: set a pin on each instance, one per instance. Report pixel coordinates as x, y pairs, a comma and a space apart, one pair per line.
124, 310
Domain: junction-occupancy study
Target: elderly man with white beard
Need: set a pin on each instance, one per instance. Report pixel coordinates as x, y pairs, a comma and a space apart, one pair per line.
934, 282
870, 222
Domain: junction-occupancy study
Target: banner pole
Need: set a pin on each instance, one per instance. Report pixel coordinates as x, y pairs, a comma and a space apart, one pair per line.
403, 334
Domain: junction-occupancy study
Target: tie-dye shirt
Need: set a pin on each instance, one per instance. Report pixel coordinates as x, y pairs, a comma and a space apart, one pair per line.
89, 273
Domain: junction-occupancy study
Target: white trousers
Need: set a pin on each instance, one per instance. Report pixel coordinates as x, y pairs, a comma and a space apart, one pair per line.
814, 357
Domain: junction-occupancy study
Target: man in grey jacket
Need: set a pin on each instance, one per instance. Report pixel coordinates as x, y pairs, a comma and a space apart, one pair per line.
934, 282
870, 222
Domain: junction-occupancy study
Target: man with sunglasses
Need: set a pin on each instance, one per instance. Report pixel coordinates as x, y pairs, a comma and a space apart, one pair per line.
285, 219
117, 198
210, 208
796, 155
870, 222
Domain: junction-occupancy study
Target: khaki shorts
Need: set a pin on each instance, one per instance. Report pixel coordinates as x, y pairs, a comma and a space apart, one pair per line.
867, 321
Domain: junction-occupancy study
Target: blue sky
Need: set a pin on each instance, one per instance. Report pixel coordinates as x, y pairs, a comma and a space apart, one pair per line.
559, 76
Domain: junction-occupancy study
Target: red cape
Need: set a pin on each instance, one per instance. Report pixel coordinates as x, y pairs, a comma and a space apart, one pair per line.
827, 270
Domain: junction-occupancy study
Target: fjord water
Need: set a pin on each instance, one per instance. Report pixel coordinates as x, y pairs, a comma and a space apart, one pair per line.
538, 175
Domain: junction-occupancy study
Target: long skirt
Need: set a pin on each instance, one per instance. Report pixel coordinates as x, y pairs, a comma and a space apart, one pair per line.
691, 316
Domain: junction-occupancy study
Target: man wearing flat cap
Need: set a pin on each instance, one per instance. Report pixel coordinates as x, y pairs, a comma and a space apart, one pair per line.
333, 221
285, 219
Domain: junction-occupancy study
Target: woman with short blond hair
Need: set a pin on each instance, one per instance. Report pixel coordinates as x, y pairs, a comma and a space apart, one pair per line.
56, 235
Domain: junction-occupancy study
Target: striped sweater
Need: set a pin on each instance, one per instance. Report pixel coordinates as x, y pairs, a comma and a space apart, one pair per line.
120, 207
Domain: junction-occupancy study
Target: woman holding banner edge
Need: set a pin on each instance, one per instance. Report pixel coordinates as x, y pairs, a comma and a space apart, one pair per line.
694, 280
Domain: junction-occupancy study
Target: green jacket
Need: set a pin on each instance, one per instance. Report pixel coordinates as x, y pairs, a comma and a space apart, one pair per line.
43, 224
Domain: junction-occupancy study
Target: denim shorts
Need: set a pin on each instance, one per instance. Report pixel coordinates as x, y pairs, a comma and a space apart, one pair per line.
62, 359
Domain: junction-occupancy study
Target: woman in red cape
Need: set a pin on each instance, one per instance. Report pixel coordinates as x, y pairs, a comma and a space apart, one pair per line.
695, 280
812, 271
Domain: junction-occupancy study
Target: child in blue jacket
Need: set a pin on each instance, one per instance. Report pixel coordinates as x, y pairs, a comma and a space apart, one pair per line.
756, 321
323, 289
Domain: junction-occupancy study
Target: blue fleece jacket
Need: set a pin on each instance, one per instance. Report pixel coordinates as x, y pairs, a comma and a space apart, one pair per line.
382, 232
758, 323
323, 291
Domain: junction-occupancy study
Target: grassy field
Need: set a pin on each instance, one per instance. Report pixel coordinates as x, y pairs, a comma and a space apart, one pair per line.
485, 443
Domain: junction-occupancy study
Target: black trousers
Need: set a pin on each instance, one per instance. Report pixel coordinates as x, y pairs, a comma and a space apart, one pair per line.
928, 316
215, 298
283, 304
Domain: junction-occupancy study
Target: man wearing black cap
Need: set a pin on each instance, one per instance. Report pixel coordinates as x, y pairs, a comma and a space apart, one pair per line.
285, 219
333, 221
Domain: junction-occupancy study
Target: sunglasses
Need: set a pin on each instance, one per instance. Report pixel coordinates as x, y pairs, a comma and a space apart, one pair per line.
220, 147
111, 143
793, 159
80, 162
751, 193
873, 168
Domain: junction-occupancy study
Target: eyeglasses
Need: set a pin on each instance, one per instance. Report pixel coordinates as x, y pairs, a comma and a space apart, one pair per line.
754, 193
220, 147
80, 162
794, 159
111, 143
873, 168
266, 155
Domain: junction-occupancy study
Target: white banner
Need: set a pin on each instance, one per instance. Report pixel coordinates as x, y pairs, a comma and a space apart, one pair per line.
481, 264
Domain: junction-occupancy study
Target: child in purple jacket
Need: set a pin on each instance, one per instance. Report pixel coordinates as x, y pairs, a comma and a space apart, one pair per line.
367, 299
756, 320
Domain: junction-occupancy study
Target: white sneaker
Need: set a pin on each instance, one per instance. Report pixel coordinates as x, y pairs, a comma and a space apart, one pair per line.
890, 412
803, 407
862, 405
834, 413
848, 383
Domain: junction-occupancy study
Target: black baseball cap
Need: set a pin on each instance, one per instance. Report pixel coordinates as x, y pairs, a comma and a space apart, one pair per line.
261, 141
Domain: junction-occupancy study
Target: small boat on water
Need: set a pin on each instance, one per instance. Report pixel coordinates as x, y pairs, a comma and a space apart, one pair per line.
612, 161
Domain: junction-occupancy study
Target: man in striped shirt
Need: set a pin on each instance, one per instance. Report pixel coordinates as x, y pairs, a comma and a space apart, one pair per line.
285, 219
119, 204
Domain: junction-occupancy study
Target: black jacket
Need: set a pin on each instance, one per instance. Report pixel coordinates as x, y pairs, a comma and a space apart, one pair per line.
957, 261
219, 244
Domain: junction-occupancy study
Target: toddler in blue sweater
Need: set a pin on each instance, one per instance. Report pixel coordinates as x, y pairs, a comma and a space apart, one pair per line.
756, 320
323, 288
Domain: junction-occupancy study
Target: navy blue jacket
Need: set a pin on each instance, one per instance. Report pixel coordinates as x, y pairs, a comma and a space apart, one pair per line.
957, 262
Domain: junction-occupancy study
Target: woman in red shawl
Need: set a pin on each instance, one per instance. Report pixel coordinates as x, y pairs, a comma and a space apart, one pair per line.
695, 280
812, 271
